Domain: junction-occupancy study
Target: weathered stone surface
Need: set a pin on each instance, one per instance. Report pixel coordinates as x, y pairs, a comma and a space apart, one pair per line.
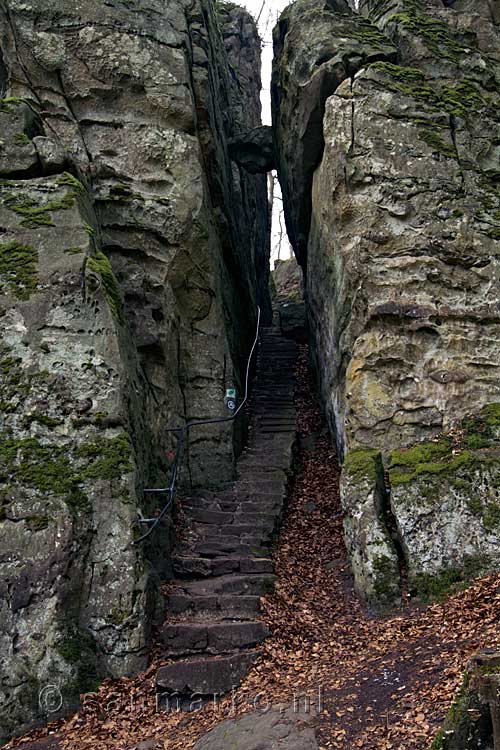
402, 261
205, 676
265, 730
317, 44
74, 602
371, 550
128, 301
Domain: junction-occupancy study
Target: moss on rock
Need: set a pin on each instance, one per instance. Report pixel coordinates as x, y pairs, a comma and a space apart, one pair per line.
363, 464
18, 269
100, 265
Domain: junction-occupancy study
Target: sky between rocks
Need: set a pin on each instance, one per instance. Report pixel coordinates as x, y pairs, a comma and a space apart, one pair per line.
267, 12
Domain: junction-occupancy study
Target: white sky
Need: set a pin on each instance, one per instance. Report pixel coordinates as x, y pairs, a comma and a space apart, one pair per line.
268, 12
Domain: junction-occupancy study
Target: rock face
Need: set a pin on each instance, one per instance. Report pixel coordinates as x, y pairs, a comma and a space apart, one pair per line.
317, 45
403, 274
132, 258
261, 730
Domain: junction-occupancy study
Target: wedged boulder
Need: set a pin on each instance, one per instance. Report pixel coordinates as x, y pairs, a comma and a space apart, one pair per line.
254, 151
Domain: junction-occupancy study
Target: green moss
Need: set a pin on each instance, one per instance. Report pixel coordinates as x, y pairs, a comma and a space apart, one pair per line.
42, 419
436, 142
68, 179
464, 99
33, 213
490, 415
59, 470
74, 250
106, 458
365, 31
449, 580
100, 265
437, 36
363, 464
21, 139
18, 269
46, 468
9, 103
425, 458
386, 581
491, 517
90, 230
437, 743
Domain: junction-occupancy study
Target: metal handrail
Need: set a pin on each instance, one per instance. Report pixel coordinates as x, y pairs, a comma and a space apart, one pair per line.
182, 432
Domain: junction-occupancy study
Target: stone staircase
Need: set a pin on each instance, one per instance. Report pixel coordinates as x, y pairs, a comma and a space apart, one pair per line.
223, 564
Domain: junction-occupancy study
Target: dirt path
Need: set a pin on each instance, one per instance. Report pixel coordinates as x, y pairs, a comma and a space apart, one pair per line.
381, 683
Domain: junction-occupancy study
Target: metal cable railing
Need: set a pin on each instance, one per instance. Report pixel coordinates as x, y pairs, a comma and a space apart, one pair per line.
181, 434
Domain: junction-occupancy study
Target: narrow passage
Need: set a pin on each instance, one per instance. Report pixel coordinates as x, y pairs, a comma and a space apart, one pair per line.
386, 681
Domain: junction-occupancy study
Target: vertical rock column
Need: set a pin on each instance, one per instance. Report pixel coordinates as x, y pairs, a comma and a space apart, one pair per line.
128, 254
402, 287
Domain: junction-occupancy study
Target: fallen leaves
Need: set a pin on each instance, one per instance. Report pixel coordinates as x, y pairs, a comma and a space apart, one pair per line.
371, 683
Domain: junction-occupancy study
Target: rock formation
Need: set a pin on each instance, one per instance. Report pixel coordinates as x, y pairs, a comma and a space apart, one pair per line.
386, 126
133, 253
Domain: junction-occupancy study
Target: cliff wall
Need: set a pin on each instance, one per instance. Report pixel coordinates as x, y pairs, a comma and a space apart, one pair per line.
392, 202
131, 264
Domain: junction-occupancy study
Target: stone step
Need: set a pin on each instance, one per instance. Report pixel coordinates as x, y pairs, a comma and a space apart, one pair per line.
264, 529
219, 547
235, 606
181, 639
219, 517
254, 585
203, 567
269, 504
205, 675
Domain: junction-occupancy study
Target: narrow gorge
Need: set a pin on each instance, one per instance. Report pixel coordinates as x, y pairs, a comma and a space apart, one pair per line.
136, 248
